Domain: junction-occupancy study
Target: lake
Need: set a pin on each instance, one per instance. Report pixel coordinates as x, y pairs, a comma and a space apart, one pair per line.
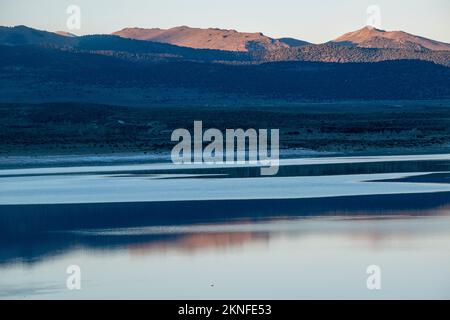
160, 231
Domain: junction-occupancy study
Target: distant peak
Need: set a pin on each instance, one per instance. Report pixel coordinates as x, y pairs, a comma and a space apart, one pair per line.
367, 31
372, 28
370, 37
206, 38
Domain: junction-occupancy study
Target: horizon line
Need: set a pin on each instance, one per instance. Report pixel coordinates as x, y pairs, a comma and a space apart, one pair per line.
216, 28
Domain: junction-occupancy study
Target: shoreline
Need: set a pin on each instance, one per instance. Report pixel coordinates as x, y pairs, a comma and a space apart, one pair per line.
24, 160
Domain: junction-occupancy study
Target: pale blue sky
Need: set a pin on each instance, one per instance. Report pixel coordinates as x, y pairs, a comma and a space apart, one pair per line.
315, 21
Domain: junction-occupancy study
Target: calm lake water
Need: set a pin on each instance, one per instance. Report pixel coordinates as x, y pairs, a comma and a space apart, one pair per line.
159, 231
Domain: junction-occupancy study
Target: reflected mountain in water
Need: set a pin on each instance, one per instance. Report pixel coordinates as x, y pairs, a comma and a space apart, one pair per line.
394, 211
45, 232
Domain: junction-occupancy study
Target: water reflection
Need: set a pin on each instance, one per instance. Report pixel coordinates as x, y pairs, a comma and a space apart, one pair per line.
291, 257
250, 249
39, 234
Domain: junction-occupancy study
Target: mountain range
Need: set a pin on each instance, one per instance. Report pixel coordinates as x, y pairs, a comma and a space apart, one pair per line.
366, 64
364, 45
229, 40
232, 40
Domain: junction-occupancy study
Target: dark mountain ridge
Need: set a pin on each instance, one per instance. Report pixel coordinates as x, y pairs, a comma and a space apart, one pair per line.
402, 79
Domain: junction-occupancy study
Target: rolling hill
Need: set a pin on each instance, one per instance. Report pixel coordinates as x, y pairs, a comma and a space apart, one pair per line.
212, 38
22, 35
368, 37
